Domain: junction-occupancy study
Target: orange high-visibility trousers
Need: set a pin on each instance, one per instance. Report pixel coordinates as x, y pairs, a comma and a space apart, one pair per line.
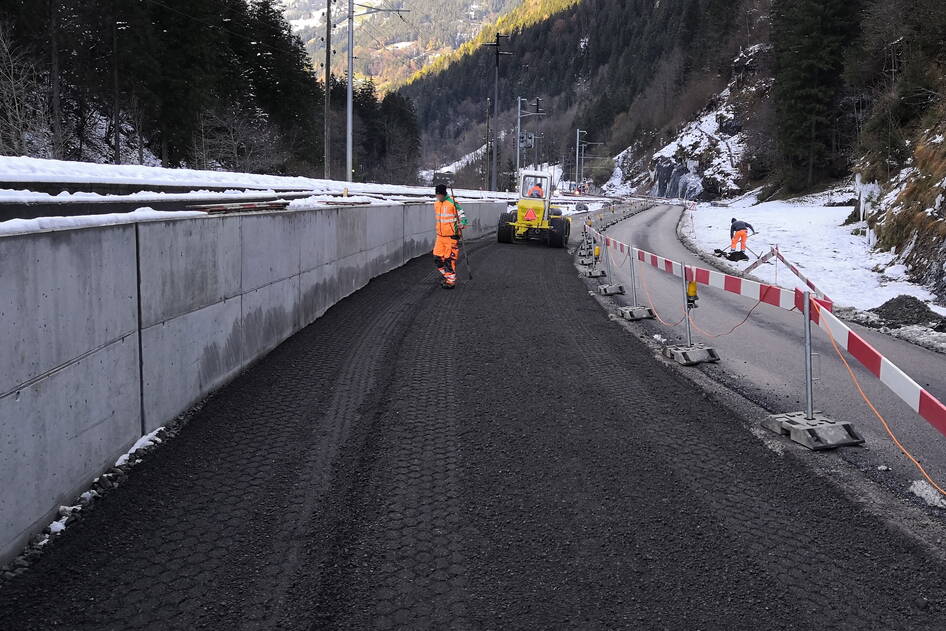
740, 237
446, 253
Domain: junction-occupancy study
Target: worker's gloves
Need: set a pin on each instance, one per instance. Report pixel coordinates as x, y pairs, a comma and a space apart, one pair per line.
455, 237
464, 221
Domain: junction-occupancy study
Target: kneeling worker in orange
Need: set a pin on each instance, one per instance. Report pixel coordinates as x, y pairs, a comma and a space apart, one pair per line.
738, 232
450, 223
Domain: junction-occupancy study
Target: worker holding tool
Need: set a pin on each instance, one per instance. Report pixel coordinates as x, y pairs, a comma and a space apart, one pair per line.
738, 232
450, 222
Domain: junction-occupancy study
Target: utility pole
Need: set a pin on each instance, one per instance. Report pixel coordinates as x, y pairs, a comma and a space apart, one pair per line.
519, 116
116, 121
327, 135
349, 96
351, 73
499, 54
518, 131
486, 153
578, 133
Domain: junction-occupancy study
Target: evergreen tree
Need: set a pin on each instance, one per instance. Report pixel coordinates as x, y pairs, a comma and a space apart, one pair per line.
810, 38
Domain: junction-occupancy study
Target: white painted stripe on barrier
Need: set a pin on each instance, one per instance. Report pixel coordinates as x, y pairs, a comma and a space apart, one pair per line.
837, 329
750, 289
900, 383
717, 280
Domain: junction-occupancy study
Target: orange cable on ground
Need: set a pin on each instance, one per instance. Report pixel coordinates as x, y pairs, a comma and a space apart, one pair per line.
654, 308
883, 421
731, 331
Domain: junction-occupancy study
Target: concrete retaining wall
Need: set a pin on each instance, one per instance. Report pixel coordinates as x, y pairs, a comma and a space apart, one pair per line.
201, 298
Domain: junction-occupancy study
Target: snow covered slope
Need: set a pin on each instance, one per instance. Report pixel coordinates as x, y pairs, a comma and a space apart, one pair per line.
705, 158
838, 258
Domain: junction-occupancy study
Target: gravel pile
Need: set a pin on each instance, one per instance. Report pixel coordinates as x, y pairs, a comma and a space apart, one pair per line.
906, 310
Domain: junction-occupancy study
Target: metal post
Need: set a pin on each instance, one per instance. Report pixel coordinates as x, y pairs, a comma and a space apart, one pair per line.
327, 134
577, 145
495, 184
351, 80
518, 131
809, 396
488, 146
607, 259
634, 277
686, 306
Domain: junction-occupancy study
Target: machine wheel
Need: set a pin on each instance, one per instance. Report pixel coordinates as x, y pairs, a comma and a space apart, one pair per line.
560, 230
504, 232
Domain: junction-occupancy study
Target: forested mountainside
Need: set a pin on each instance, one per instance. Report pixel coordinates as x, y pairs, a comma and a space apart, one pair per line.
711, 98
623, 70
389, 47
202, 83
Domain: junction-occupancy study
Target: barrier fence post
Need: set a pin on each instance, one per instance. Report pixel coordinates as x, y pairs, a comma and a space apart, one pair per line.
633, 277
813, 430
809, 395
607, 260
690, 354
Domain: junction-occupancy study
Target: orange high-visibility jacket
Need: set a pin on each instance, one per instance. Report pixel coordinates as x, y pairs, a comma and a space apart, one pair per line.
536, 189
448, 218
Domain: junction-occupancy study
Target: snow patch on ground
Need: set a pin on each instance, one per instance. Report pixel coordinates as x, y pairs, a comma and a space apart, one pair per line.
19, 226
809, 234
33, 197
321, 201
925, 491
145, 441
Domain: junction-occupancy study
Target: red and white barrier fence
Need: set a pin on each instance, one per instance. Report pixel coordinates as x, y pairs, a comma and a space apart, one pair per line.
910, 392
776, 253
920, 401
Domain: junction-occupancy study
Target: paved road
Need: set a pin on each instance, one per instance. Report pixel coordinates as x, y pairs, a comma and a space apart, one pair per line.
497, 457
764, 358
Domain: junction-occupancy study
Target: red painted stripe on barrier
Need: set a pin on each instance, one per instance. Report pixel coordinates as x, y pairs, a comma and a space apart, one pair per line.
668, 266
653, 260
607, 242
733, 284
864, 353
702, 276
933, 411
621, 245
824, 302
640, 255
771, 295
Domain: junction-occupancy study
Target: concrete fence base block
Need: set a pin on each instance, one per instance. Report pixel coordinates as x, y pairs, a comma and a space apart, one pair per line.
816, 433
596, 273
586, 261
611, 290
636, 313
691, 355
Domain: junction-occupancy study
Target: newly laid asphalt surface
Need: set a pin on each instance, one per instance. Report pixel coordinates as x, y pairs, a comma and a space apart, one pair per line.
764, 358
501, 456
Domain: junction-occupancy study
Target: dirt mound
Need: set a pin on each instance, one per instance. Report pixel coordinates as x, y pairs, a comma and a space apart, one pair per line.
905, 310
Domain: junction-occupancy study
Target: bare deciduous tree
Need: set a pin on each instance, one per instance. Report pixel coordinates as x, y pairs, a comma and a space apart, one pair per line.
241, 139
24, 123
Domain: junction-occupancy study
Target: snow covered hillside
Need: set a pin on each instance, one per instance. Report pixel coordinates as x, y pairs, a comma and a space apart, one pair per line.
838, 258
705, 159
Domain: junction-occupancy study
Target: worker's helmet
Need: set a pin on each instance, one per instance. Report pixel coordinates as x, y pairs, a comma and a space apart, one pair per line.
733, 220
440, 189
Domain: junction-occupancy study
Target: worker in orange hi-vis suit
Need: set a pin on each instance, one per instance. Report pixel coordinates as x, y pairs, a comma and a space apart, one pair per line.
450, 222
536, 191
739, 233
